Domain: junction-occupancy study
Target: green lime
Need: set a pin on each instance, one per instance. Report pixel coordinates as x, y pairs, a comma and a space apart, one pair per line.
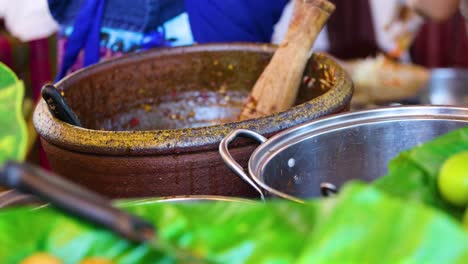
453, 179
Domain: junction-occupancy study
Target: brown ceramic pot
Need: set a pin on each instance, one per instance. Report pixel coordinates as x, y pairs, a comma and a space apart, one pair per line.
150, 119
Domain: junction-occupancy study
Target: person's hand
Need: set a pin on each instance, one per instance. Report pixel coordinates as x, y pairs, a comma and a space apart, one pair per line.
464, 9
402, 29
437, 10
464, 12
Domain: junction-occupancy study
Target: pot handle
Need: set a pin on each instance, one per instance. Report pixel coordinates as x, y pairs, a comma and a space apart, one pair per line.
58, 106
229, 160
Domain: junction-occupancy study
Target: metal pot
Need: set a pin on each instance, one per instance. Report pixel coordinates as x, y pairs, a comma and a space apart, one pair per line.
12, 199
178, 95
294, 163
446, 87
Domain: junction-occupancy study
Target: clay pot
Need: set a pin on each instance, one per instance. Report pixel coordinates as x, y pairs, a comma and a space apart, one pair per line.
151, 119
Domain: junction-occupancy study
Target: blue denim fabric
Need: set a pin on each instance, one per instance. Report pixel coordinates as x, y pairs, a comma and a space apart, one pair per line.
86, 36
131, 15
210, 20
233, 20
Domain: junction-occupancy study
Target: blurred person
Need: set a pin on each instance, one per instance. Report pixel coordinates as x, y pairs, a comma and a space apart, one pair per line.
92, 30
438, 10
464, 10
233, 20
357, 29
351, 32
27, 20
442, 42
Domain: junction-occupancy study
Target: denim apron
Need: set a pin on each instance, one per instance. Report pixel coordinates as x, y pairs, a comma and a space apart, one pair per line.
86, 35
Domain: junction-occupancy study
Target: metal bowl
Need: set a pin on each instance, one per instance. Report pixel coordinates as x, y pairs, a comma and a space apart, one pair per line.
340, 148
446, 87
12, 198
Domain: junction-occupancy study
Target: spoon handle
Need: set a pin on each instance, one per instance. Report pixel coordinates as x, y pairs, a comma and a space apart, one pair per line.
74, 199
58, 106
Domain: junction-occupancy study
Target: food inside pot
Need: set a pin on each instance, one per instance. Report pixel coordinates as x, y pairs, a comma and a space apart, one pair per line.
179, 110
399, 218
175, 111
179, 90
193, 108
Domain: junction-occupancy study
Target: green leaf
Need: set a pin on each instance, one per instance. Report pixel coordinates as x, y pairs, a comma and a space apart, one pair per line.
7, 76
413, 174
13, 138
368, 226
221, 232
360, 225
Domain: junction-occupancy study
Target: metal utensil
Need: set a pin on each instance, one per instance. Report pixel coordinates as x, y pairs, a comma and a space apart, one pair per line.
58, 106
313, 158
446, 87
74, 200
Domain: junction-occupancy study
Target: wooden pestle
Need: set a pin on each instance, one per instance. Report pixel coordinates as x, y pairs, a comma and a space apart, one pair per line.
277, 87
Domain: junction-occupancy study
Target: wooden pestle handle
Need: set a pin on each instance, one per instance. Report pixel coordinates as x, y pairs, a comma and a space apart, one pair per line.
276, 89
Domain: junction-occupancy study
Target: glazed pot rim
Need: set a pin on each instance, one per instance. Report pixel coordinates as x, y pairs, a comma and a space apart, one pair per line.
174, 141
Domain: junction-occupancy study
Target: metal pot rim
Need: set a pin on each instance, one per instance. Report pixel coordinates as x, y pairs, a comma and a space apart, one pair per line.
448, 72
11, 198
267, 150
119, 143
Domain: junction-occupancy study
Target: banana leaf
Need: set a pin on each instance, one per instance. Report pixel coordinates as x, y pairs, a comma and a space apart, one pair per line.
360, 225
13, 138
371, 227
413, 174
